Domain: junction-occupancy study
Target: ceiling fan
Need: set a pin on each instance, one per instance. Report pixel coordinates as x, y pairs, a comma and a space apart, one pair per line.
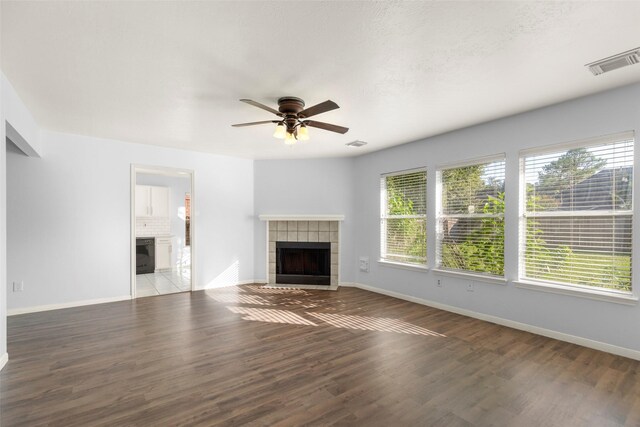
293, 122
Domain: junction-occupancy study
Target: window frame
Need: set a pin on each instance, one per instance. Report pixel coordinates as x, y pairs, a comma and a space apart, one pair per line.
592, 292
384, 217
440, 269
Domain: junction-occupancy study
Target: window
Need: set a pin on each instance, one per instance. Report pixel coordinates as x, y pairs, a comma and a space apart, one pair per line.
471, 218
403, 215
577, 214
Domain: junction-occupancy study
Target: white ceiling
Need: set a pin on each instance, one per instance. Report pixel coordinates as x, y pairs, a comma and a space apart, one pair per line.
171, 73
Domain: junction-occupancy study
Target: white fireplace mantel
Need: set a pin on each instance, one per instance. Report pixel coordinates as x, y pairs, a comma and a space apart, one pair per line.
301, 217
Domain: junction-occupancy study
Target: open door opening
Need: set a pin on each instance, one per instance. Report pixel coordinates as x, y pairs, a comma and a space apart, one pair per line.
161, 231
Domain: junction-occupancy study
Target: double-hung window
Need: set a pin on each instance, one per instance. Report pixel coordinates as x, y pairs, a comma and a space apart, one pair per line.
576, 214
403, 213
470, 235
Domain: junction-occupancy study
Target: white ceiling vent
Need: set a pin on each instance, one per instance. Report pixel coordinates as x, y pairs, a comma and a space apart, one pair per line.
355, 143
614, 62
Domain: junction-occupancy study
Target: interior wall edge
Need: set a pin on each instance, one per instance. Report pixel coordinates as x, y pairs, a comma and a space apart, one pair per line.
18, 140
21, 121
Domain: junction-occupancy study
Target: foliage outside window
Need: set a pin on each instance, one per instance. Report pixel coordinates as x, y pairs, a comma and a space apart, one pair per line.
471, 218
403, 217
577, 215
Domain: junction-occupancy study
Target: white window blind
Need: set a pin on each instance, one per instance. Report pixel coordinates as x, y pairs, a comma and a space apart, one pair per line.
471, 218
403, 217
577, 215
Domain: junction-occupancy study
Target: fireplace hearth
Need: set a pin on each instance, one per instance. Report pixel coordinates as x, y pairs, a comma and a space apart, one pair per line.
303, 263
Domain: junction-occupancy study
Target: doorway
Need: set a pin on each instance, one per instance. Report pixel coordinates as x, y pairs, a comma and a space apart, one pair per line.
162, 227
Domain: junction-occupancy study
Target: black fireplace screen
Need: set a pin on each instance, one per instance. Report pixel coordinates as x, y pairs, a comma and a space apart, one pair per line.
303, 263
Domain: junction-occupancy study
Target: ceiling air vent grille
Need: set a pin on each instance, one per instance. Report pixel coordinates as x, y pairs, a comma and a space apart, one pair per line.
355, 144
614, 62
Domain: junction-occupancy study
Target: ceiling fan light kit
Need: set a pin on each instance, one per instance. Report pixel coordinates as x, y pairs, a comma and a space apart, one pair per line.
303, 132
293, 123
290, 139
280, 132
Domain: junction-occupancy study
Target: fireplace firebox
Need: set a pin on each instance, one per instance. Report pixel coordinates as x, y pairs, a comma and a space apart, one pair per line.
303, 263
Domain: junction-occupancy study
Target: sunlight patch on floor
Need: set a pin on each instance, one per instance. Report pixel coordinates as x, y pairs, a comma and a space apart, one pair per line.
366, 323
237, 298
274, 291
271, 316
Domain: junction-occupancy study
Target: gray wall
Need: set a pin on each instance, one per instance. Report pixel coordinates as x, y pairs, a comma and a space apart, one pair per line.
316, 186
69, 218
602, 114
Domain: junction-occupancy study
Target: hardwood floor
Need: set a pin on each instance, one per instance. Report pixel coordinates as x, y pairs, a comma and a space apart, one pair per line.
249, 355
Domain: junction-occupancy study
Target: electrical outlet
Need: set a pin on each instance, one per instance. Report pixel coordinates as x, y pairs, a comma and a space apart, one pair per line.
18, 286
364, 263
439, 283
470, 287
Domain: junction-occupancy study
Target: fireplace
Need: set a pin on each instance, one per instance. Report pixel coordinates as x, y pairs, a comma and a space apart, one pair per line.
303, 263
303, 250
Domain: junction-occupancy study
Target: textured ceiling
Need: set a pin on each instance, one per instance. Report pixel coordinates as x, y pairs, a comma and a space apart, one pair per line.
171, 73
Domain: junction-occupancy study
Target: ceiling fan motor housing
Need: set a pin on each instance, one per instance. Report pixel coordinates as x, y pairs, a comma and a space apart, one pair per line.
290, 106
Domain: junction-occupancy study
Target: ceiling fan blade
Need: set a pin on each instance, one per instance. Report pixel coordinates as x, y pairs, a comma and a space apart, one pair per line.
239, 125
323, 107
264, 107
326, 126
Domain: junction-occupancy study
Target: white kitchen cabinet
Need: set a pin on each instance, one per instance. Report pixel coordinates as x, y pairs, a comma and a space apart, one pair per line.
152, 201
143, 198
163, 253
160, 201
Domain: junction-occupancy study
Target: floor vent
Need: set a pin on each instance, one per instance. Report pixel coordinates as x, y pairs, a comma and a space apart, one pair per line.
614, 62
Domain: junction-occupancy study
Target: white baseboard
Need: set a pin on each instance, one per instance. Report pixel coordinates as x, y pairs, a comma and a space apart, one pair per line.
230, 284
34, 309
585, 342
3, 360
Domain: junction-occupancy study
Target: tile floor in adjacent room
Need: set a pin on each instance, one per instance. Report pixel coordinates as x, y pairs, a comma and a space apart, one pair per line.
165, 282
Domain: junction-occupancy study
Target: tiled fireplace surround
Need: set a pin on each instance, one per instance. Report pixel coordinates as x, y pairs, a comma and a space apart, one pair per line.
304, 231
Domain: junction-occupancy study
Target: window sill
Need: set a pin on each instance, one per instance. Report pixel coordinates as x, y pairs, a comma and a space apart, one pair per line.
471, 276
615, 297
403, 266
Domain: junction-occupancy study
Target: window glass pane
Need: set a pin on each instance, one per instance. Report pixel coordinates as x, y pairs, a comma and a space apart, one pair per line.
594, 178
473, 244
404, 217
471, 223
467, 189
578, 216
407, 194
406, 240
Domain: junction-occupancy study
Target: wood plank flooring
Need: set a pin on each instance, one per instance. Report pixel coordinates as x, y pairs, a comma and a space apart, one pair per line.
269, 357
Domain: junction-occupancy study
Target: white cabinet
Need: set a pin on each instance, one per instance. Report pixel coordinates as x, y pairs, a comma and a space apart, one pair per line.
143, 200
152, 201
163, 253
160, 201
